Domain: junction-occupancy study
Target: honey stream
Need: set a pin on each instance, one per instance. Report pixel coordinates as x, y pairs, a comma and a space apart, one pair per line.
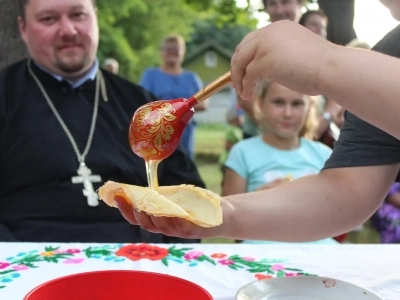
151, 170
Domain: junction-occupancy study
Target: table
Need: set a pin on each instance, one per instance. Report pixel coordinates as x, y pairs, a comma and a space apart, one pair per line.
220, 268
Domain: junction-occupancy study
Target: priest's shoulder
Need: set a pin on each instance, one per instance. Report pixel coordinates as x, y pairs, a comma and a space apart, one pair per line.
14, 71
11, 79
130, 88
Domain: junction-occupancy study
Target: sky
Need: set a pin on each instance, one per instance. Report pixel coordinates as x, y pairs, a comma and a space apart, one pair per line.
372, 20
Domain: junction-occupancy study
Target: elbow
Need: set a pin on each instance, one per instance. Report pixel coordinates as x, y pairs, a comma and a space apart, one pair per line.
352, 201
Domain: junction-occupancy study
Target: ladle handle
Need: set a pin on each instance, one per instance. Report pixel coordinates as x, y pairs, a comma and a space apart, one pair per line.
212, 88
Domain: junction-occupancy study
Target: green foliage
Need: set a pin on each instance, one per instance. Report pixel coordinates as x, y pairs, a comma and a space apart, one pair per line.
131, 30
228, 36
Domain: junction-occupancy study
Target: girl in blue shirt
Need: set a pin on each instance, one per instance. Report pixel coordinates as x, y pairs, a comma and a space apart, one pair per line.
284, 151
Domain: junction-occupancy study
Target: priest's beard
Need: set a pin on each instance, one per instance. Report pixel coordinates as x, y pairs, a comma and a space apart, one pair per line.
72, 65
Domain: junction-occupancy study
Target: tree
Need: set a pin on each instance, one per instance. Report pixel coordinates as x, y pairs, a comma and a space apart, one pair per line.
131, 30
12, 47
228, 36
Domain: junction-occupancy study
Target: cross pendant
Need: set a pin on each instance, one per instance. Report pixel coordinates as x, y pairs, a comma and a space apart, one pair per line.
85, 176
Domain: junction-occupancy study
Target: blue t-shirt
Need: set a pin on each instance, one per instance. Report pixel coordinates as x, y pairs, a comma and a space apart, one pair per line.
169, 86
259, 163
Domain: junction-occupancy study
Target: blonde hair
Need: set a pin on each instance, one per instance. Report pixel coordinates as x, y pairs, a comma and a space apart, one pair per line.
310, 125
176, 38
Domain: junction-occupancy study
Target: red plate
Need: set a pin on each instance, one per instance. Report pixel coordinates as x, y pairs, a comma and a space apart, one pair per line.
118, 285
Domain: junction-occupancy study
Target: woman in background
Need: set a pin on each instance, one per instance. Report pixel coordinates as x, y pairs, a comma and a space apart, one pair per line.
171, 81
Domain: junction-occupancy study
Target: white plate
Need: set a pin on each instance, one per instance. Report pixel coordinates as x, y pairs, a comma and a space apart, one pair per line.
304, 288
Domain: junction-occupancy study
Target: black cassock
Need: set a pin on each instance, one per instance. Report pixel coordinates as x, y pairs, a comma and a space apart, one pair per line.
38, 201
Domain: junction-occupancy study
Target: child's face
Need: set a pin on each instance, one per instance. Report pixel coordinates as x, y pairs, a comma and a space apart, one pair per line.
394, 7
284, 111
317, 24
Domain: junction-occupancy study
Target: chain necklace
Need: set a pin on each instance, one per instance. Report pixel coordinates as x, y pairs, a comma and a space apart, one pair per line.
84, 173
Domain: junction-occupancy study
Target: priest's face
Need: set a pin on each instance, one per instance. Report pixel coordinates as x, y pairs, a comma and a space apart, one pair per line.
394, 7
61, 36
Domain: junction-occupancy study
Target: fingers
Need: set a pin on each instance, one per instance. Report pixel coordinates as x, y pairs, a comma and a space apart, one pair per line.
251, 78
146, 222
176, 227
237, 72
187, 229
126, 210
244, 54
168, 226
134, 217
165, 225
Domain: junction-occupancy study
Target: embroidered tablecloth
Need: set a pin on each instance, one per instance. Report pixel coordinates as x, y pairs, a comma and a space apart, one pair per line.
220, 268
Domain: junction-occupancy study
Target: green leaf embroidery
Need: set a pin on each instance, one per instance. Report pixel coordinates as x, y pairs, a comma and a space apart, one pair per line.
280, 274
186, 249
261, 269
89, 252
180, 253
31, 265
165, 262
50, 259
50, 249
206, 258
233, 267
28, 260
6, 272
295, 270
2, 286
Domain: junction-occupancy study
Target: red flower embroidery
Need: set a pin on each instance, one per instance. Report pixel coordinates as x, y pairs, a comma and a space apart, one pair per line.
218, 255
142, 251
262, 276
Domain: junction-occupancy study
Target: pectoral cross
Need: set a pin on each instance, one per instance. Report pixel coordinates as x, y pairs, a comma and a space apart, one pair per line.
86, 177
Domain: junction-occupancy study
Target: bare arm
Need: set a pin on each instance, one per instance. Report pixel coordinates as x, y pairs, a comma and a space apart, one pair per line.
362, 81
233, 183
310, 208
365, 83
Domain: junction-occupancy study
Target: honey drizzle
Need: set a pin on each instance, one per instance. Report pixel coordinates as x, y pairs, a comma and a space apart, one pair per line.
152, 176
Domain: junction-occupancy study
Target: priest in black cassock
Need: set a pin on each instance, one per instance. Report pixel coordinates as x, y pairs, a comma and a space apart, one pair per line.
64, 131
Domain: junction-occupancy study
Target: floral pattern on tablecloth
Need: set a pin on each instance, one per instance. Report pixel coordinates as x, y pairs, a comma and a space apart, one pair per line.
11, 268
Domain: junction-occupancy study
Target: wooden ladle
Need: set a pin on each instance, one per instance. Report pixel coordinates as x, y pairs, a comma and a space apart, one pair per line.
156, 128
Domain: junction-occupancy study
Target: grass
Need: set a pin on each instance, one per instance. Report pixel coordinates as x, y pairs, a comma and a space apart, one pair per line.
211, 175
209, 140
209, 143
